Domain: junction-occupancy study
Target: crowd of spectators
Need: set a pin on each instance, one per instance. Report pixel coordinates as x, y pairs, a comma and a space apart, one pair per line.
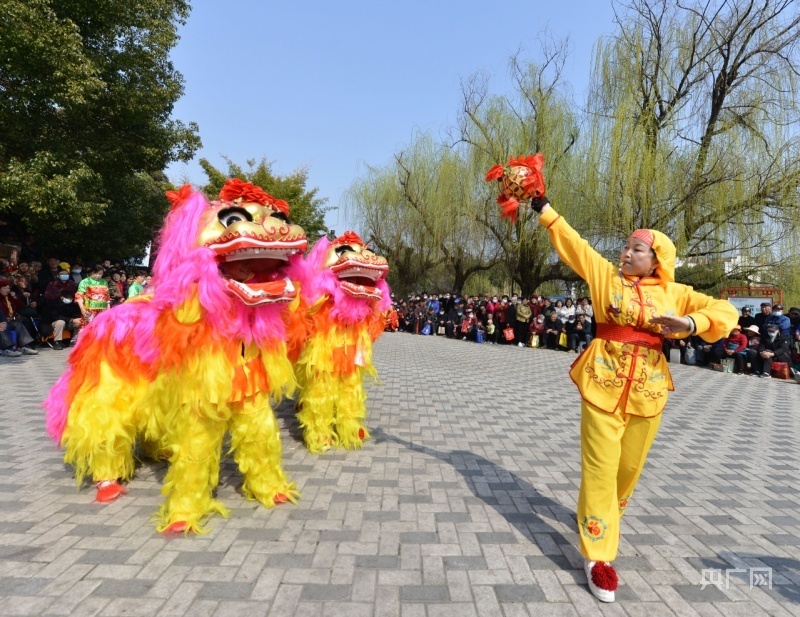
44, 304
757, 346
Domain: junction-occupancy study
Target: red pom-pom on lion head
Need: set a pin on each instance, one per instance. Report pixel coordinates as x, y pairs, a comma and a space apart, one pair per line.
247, 192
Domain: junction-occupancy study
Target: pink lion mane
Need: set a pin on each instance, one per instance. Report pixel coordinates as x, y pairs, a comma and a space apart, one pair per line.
320, 281
182, 268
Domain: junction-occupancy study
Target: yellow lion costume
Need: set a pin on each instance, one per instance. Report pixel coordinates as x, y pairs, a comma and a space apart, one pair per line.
345, 288
202, 355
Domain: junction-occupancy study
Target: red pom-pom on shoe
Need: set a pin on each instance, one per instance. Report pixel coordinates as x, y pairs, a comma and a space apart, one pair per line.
605, 576
361, 433
108, 491
280, 498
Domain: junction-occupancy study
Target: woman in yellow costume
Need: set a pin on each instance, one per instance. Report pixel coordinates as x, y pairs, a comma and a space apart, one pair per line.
344, 284
623, 376
202, 356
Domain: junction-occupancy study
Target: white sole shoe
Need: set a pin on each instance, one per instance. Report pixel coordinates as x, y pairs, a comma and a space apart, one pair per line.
604, 595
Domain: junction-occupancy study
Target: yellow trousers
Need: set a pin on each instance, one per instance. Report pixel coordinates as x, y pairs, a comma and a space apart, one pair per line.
613, 451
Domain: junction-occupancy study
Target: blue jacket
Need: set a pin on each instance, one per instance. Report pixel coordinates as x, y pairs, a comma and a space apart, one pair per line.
782, 321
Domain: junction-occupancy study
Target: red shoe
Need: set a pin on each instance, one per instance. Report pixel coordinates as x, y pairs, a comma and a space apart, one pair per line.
280, 498
109, 490
175, 528
602, 579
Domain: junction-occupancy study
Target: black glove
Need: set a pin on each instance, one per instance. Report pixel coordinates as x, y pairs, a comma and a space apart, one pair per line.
537, 203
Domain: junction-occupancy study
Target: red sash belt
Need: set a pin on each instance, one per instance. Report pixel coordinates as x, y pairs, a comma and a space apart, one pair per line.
629, 334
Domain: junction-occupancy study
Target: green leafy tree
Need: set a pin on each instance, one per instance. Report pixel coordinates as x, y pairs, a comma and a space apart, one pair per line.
88, 91
307, 209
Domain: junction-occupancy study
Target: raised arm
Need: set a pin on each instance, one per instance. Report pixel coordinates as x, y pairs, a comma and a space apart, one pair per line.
574, 251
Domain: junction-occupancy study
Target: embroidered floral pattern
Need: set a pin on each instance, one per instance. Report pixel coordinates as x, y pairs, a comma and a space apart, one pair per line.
623, 503
594, 528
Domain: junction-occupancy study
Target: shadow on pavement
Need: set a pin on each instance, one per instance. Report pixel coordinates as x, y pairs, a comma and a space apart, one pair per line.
477, 470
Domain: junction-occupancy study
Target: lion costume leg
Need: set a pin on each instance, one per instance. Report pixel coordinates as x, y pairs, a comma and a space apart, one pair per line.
317, 404
351, 411
193, 473
256, 445
100, 430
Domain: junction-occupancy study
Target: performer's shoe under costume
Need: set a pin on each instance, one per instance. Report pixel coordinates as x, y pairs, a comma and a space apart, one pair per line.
202, 355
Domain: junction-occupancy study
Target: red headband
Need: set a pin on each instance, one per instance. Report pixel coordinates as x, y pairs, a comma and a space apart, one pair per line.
645, 236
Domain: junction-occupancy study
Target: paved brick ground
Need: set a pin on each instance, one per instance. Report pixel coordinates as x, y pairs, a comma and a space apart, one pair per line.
463, 504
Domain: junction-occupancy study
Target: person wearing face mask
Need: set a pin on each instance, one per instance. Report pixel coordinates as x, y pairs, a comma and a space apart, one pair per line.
779, 319
774, 347
58, 317
454, 319
93, 296
62, 283
537, 328
624, 378
523, 318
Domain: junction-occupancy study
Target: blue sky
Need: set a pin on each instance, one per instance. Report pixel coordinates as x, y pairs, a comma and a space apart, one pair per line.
332, 86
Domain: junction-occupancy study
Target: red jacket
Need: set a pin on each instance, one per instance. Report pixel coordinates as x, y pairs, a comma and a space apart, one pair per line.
740, 340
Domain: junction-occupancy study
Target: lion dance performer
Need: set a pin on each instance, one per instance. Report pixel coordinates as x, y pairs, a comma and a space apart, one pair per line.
623, 376
202, 355
346, 291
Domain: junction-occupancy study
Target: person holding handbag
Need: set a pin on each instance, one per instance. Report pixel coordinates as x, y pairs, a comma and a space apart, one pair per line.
624, 378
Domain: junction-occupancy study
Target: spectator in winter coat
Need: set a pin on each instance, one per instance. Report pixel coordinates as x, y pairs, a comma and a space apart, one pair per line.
523, 317
734, 347
779, 319
774, 347
753, 335
746, 320
580, 335
552, 330
762, 316
60, 316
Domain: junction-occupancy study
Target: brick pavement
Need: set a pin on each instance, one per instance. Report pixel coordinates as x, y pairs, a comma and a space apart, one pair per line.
463, 504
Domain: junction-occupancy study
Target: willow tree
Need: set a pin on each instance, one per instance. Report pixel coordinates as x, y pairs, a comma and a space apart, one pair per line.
693, 112
537, 117
391, 227
431, 188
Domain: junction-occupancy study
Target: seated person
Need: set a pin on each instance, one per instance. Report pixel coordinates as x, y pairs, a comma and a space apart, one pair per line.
15, 339
61, 315
774, 347
580, 335
734, 347
537, 327
753, 335
552, 330
703, 350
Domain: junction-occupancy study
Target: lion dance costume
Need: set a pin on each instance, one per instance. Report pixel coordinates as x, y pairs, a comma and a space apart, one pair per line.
346, 291
203, 355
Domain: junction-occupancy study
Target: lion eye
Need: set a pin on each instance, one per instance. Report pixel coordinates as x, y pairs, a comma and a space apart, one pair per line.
229, 216
280, 216
345, 248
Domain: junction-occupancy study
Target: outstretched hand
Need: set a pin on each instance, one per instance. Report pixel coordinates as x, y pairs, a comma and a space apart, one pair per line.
671, 324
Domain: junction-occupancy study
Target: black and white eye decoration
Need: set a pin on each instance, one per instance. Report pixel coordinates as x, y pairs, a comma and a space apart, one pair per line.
229, 216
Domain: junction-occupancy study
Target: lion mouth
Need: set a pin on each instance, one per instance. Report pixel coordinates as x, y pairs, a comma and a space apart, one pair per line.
358, 278
269, 292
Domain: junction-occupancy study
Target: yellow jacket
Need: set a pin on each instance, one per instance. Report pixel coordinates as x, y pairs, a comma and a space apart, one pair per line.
632, 378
